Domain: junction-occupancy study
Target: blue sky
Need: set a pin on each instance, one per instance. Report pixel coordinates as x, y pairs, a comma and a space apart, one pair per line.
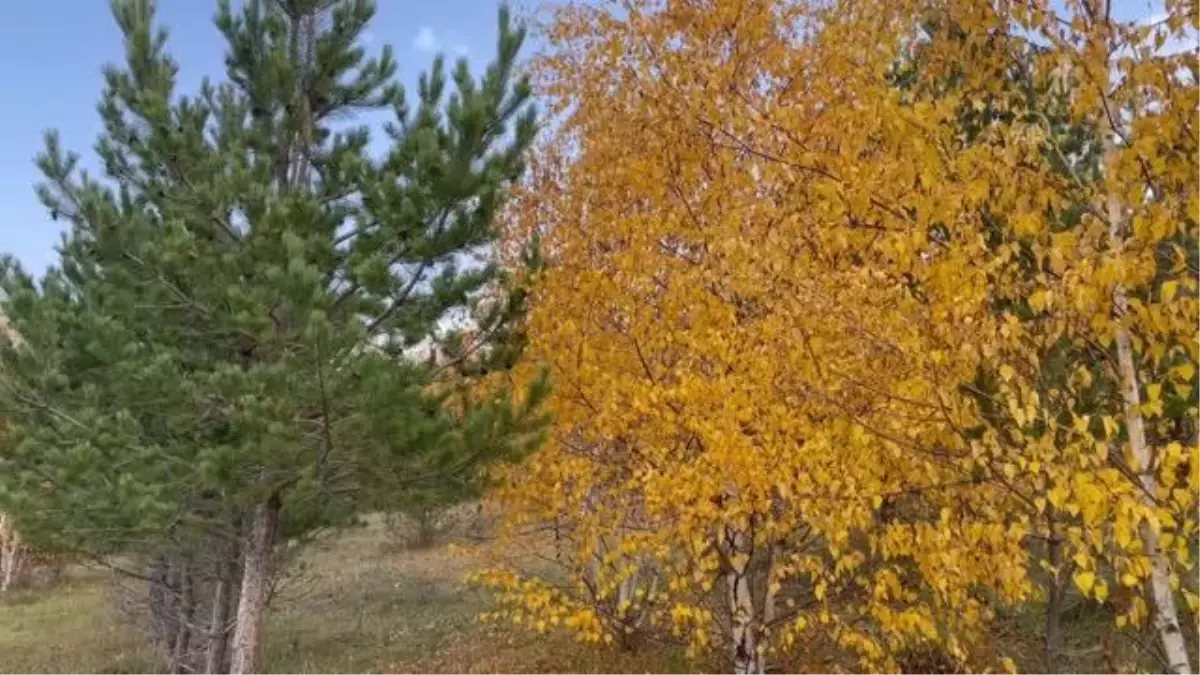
51, 52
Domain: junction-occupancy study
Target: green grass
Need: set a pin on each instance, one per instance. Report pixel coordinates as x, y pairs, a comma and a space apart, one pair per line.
72, 628
359, 603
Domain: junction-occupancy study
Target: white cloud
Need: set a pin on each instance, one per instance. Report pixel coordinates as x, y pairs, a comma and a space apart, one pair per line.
429, 41
426, 40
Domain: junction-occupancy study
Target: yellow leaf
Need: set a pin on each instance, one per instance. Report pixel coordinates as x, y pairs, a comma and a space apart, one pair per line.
1184, 371
1123, 533
1085, 581
1194, 207
978, 190
1058, 496
1168, 290
1006, 372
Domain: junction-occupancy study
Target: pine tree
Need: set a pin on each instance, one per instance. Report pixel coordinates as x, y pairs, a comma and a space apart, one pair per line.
220, 358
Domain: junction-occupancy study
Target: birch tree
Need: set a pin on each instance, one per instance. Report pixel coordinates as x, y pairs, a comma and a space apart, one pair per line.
859, 330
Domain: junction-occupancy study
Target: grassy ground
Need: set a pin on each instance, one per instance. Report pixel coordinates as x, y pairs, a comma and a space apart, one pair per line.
359, 604
72, 628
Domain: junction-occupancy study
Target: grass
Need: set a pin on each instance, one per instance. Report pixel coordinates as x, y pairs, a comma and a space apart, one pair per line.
358, 604
71, 628
361, 603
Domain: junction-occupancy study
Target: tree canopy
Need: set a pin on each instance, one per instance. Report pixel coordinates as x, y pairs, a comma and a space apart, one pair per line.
225, 343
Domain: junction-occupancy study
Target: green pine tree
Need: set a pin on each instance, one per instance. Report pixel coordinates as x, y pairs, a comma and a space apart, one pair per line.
220, 357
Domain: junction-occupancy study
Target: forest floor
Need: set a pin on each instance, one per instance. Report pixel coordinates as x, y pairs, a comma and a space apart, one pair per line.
358, 602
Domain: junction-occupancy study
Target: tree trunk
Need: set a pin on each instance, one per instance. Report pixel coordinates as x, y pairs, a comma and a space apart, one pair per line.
627, 588
12, 554
770, 590
626, 596
747, 660
6, 555
183, 633
163, 606
1054, 600
216, 657
1166, 617
256, 587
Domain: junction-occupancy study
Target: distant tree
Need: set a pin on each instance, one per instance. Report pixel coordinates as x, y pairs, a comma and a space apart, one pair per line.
219, 358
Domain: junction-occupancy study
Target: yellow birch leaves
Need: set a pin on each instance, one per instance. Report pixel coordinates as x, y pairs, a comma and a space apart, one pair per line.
828, 303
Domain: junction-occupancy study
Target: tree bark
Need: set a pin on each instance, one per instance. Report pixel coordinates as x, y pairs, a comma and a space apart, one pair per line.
216, 656
747, 660
12, 554
627, 588
1166, 617
769, 588
1054, 600
249, 635
163, 605
183, 633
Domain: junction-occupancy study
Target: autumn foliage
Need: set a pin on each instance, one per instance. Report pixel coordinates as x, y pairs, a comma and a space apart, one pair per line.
866, 320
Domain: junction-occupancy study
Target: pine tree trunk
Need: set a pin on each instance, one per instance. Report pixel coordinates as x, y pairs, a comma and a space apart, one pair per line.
249, 635
164, 606
216, 656
216, 661
183, 634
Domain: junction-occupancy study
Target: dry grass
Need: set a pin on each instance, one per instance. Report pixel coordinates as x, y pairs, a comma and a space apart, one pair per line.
357, 602
73, 628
